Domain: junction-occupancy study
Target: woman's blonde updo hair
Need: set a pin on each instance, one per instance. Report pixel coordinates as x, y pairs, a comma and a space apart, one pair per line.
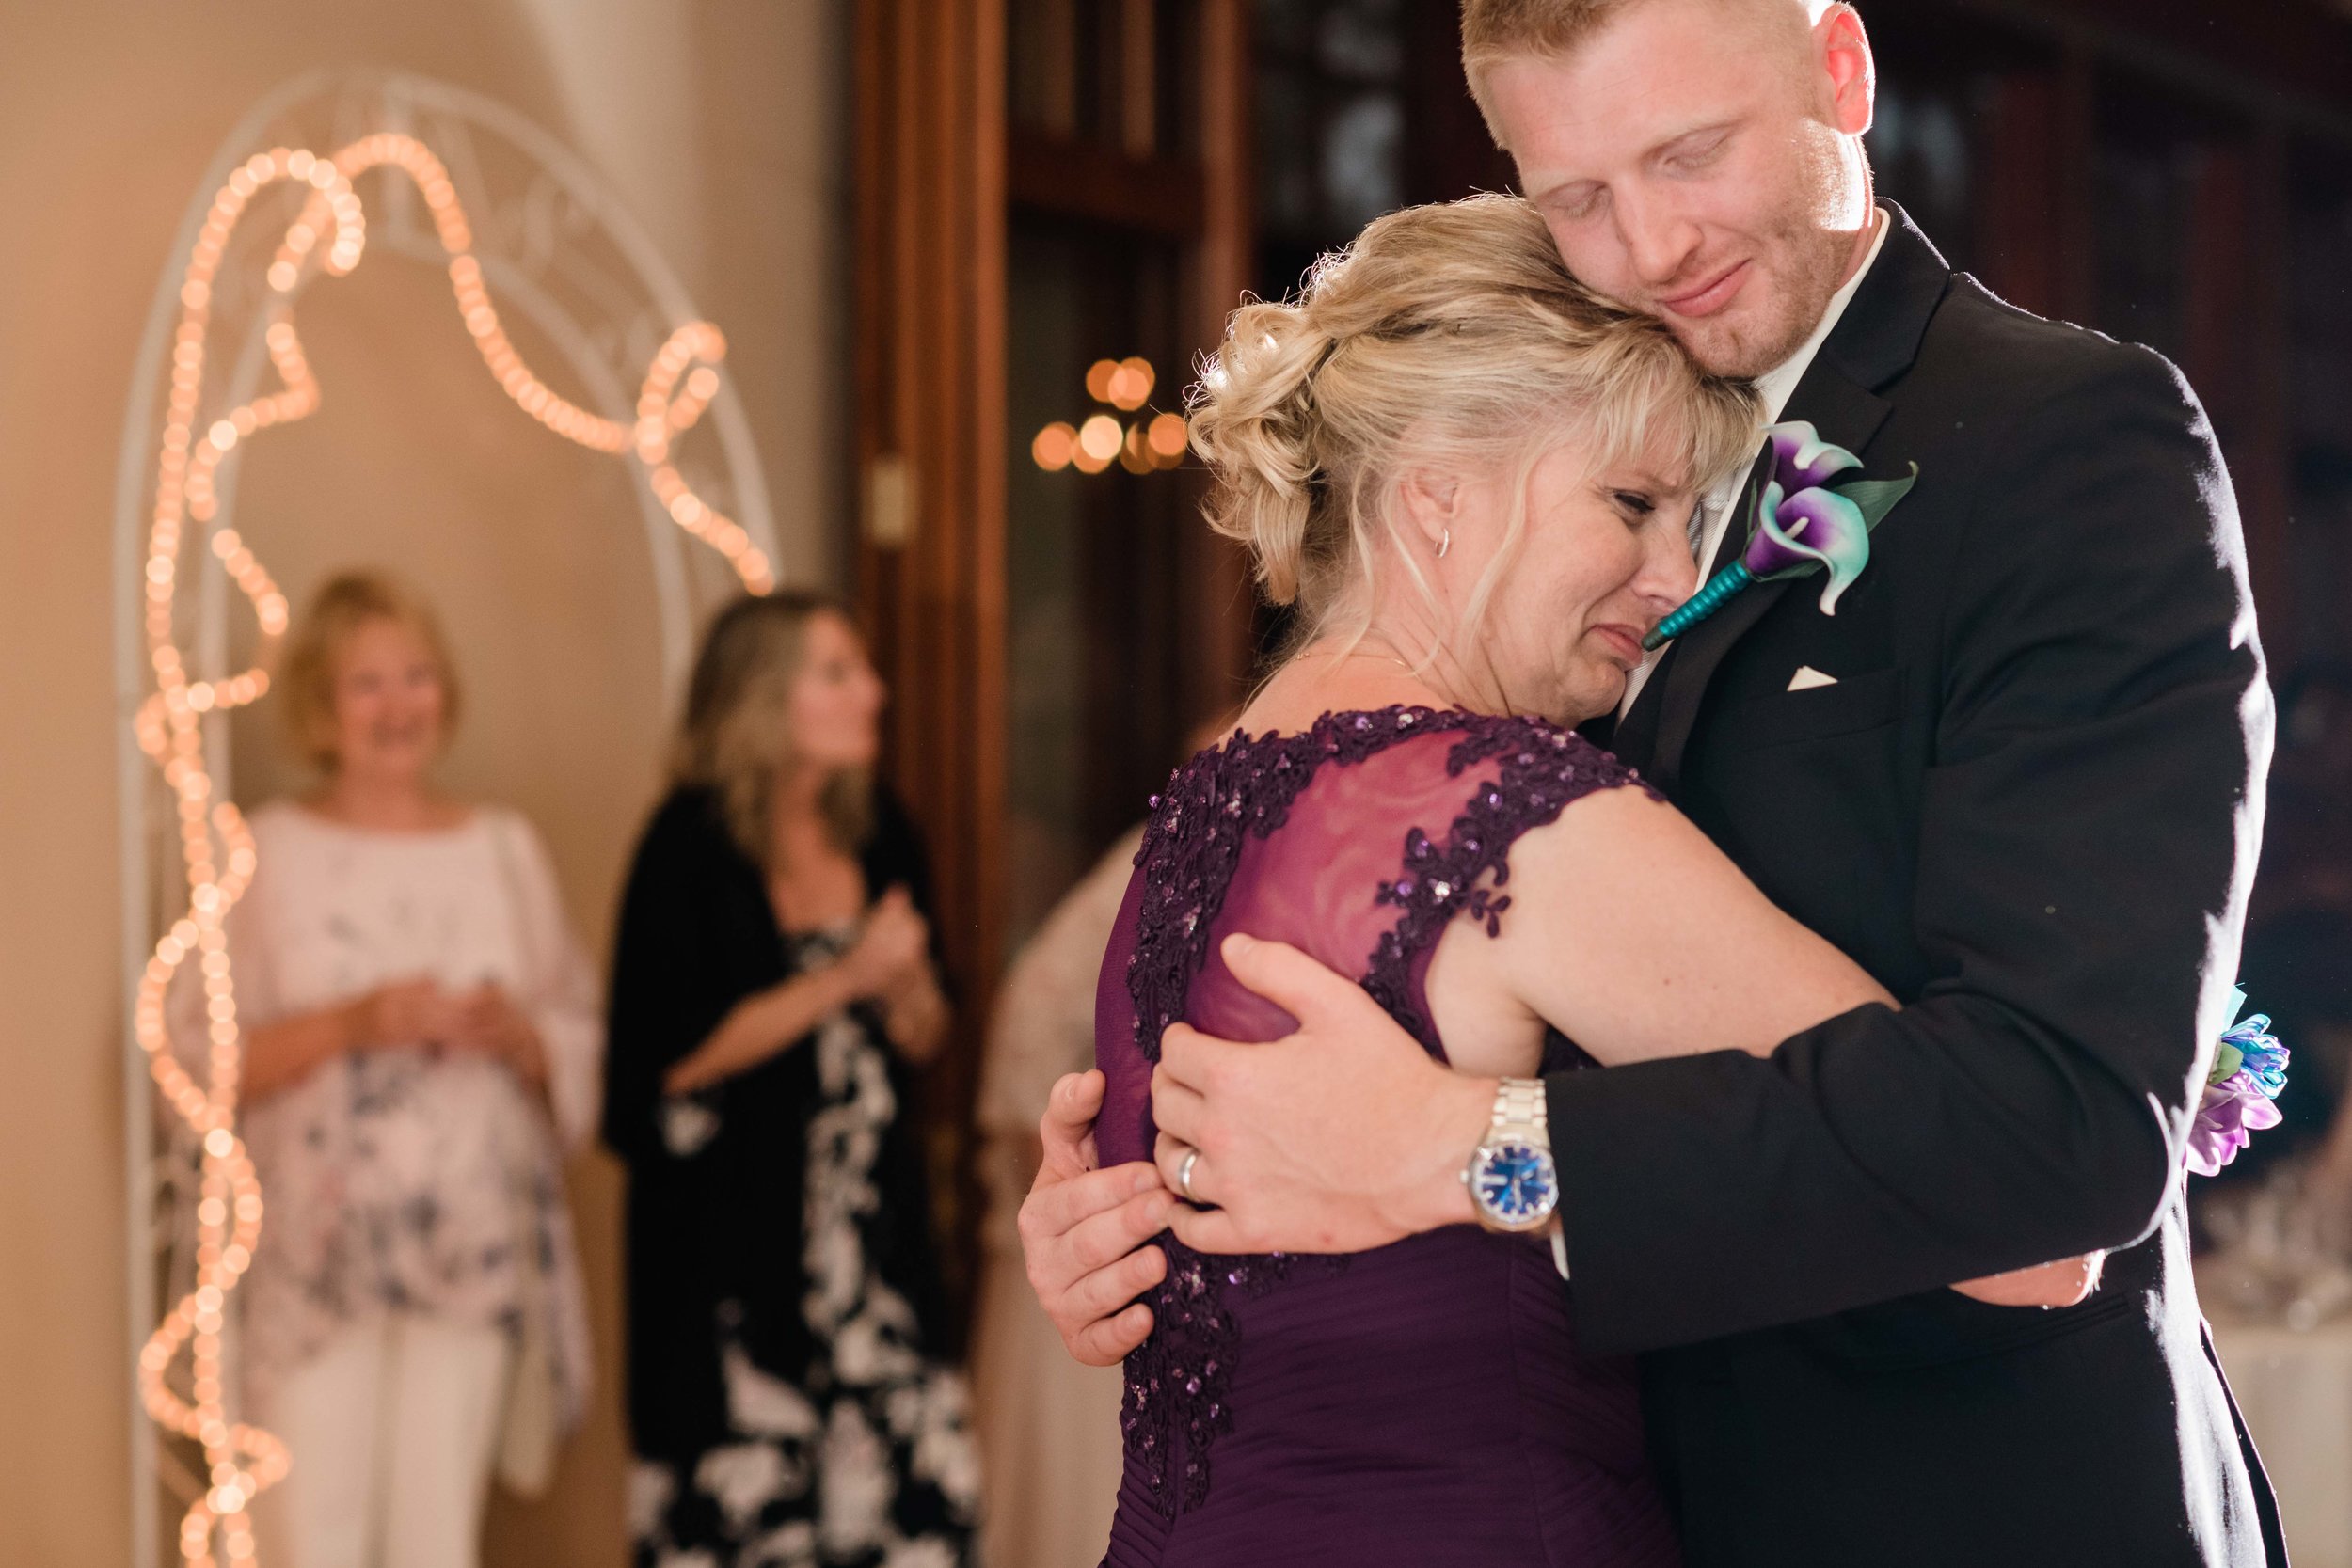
1446, 335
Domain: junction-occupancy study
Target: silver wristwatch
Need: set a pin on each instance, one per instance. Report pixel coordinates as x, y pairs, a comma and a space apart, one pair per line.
1513, 1184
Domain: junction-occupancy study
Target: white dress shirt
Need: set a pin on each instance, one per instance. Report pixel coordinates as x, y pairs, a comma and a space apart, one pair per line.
1776, 386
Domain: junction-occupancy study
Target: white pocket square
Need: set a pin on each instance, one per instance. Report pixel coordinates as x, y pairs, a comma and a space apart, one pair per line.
1807, 677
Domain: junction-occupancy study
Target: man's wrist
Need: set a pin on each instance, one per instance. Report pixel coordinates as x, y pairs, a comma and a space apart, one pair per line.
1460, 1113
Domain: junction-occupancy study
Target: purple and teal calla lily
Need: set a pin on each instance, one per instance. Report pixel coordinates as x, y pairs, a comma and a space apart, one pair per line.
2249, 1070
2226, 1124
1800, 525
2253, 1049
1812, 528
1802, 461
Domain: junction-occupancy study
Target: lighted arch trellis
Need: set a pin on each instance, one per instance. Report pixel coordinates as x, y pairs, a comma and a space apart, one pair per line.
515, 219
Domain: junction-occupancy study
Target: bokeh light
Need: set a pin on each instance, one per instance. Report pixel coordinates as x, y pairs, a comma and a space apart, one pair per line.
1169, 435
1134, 453
1099, 440
1053, 446
1129, 384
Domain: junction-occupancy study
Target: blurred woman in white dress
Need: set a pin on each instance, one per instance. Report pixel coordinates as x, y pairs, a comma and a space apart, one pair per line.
1051, 1481
423, 1040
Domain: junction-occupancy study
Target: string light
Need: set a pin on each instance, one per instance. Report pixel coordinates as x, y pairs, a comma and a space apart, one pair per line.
216, 846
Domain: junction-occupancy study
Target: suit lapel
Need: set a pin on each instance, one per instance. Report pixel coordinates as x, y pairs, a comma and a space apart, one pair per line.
1872, 344
1635, 739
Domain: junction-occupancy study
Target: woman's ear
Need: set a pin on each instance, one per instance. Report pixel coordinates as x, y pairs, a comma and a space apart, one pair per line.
1431, 504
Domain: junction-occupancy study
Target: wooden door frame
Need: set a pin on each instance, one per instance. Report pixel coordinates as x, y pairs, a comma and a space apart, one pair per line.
933, 156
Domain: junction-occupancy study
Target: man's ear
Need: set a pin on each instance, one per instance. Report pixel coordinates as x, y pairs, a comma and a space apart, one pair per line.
1430, 503
1853, 73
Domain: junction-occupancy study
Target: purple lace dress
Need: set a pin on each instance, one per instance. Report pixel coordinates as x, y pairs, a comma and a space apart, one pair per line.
1417, 1406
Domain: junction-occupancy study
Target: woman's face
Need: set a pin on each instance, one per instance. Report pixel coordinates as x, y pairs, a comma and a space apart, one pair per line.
389, 704
836, 701
1604, 556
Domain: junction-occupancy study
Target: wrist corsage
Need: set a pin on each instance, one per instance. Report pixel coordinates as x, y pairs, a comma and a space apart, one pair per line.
2249, 1069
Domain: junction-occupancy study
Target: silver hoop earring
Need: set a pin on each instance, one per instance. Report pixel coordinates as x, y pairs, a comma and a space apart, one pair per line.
1445, 543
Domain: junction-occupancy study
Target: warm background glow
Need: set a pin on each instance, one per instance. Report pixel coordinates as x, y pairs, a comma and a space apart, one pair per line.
730, 110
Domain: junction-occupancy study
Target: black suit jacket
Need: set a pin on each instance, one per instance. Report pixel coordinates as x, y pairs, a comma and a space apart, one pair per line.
2029, 807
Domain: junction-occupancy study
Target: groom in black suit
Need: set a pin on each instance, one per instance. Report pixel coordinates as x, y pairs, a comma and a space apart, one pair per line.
2018, 777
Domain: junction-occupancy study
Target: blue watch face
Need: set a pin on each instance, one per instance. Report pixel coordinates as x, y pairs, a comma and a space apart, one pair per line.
1517, 1182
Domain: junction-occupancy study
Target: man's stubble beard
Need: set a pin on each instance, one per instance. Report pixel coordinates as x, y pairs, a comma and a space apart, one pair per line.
1800, 295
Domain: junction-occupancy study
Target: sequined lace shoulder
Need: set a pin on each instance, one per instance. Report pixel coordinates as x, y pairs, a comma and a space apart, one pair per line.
1176, 1404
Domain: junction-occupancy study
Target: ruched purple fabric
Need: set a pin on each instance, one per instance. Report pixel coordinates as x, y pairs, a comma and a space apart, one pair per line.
1418, 1406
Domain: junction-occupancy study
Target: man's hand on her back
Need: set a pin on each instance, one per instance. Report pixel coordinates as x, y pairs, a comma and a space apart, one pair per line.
1343, 1136
1082, 1230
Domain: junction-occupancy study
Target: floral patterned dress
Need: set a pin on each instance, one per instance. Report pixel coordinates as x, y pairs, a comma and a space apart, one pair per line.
400, 1180
787, 1407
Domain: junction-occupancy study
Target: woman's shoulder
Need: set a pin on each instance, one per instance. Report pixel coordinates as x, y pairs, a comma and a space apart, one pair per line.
686, 838
1430, 746
1501, 785
287, 819
1550, 759
514, 831
1454, 789
688, 815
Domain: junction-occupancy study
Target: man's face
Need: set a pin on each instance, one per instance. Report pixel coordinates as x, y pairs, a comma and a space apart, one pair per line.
1699, 164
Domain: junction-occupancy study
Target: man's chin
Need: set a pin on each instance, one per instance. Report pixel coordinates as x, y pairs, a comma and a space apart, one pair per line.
1731, 346
1727, 354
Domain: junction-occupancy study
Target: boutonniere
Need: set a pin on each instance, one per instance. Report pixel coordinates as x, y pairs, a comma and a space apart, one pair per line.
1813, 513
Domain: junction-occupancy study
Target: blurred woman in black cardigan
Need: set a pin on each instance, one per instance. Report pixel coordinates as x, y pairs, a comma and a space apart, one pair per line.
773, 984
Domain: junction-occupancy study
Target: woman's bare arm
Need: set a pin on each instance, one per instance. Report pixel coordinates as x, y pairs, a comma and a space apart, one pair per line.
287, 1049
1634, 936
763, 1024
915, 1013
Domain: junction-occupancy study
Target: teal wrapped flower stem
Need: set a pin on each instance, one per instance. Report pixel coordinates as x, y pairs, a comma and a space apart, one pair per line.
1811, 515
1699, 606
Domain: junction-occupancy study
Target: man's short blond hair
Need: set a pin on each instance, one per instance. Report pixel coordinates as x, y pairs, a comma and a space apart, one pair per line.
1494, 31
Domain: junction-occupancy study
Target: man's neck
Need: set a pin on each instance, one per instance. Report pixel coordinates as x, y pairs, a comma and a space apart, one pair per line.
1865, 237
1778, 383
